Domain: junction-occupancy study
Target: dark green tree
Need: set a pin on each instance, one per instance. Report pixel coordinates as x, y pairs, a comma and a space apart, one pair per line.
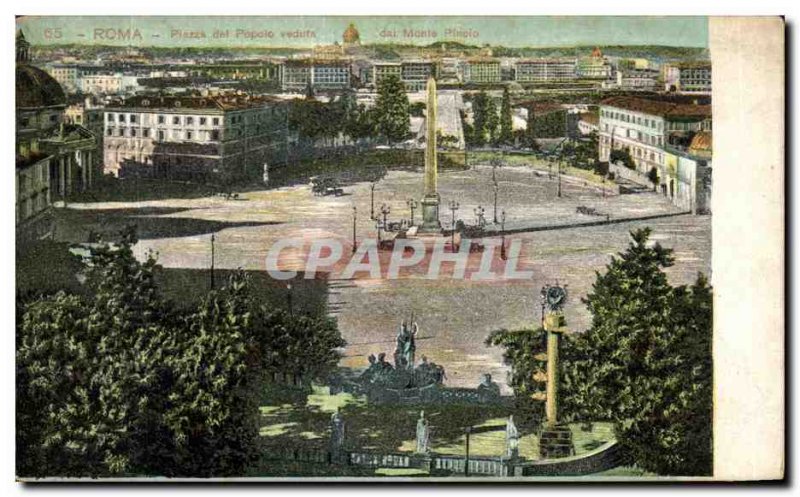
506, 136
492, 122
480, 119
523, 351
622, 155
392, 110
645, 363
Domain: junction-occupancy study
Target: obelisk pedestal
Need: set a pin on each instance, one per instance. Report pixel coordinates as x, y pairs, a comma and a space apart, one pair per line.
430, 199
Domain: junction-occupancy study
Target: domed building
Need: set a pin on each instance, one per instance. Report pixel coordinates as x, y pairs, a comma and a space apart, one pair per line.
53, 158
351, 37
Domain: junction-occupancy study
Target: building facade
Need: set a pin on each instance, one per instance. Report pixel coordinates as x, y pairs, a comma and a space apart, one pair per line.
594, 67
545, 70
644, 127
194, 137
53, 157
482, 71
694, 77
298, 75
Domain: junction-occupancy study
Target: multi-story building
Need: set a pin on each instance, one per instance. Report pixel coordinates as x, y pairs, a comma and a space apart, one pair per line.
382, 70
594, 67
694, 77
686, 177
194, 136
545, 70
67, 76
645, 126
415, 73
638, 79
319, 74
588, 123
101, 84
482, 71
670, 76
53, 158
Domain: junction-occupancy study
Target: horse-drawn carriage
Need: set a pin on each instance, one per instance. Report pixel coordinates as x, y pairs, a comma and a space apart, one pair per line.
323, 186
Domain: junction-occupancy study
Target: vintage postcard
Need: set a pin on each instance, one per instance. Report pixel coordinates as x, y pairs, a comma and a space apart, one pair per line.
399, 248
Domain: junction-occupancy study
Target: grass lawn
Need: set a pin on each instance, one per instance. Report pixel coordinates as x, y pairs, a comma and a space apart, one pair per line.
305, 423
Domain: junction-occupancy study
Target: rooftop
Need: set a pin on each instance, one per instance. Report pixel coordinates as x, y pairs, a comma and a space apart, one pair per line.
212, 102
661, 108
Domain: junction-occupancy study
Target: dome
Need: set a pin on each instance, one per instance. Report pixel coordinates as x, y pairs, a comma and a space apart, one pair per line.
36, 88
351, 34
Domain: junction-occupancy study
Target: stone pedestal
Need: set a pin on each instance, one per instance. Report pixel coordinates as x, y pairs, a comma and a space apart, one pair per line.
430, 215
555, 442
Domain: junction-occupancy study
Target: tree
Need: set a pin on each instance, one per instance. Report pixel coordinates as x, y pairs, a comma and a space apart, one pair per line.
480, 119
652, 175
530, 129
622, 155
492, 122
506, 136
121, 383
645, 363
392, 110
523, 351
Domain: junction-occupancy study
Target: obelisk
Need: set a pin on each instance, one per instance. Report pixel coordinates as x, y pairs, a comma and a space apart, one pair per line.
430, 199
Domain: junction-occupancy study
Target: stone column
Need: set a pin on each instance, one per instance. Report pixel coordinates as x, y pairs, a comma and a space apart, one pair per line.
551, 325
555, 440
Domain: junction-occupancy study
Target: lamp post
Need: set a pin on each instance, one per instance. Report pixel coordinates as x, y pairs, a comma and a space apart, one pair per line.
495, 187
543, 301
453, 208
559, 177
289, 298
385, 211
213, 238
412, 204
503, 235
480, 215
372, 200
354, 228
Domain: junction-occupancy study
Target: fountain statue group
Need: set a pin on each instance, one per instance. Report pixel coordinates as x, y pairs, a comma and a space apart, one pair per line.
405, 373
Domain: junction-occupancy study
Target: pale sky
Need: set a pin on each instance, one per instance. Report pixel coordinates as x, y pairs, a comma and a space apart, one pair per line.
296, 31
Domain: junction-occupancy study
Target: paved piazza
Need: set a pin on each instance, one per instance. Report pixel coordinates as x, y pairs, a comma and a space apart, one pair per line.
455, 316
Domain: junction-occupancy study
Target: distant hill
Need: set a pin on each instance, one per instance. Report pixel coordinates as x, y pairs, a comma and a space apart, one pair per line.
382, 51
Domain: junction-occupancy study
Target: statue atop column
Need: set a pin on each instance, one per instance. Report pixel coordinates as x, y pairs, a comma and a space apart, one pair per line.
430, 199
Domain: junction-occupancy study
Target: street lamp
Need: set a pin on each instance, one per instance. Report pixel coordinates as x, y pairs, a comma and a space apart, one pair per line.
453, 208
543, 301
354, 228
213, 238
503, 235
480, 214
385, 210
372, 200
559, 177
412, 204
495, 187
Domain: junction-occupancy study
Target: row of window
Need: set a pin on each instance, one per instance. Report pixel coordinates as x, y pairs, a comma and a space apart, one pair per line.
132, 118
628, 118
161, 135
